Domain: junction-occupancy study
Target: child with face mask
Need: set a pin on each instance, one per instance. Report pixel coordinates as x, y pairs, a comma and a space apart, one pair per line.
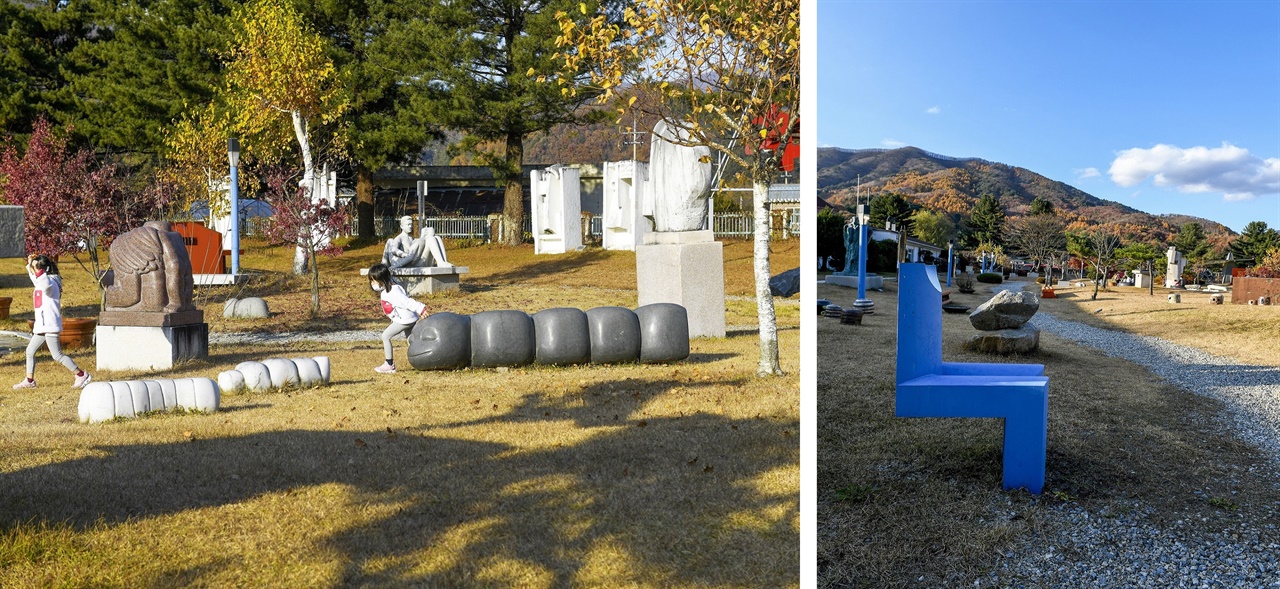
46, 301
398, 306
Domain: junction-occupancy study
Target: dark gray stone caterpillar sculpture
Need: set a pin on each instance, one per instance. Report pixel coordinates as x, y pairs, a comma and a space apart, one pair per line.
651, 334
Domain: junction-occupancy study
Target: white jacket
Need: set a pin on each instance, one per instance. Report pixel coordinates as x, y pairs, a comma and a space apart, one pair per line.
46, 301
399, 307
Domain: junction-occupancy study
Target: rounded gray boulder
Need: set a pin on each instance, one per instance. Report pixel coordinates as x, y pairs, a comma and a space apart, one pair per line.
501, 338
562, 335
246, 308
615, 335
1006, 310
664, 333
442, 341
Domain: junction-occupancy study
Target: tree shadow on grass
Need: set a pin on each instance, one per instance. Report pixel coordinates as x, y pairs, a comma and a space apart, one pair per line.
541, 269
670, 493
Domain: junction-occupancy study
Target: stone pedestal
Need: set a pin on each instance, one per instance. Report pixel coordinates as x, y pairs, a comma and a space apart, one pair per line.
426, 281
874, 281
685, 268
150, 347
12, 224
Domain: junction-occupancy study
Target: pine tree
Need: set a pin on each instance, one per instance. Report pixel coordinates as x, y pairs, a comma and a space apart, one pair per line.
890, 207
1191, 241
1040, 206
986, 222
1254, 243
35, 39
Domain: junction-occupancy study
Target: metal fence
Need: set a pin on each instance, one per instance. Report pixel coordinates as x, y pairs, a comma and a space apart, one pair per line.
725, 225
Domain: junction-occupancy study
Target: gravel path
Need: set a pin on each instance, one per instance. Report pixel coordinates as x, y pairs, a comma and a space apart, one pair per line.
1083, 549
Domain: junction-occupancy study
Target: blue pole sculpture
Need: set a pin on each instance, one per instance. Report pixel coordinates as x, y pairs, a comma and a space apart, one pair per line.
950, 257
862, 260
233, 154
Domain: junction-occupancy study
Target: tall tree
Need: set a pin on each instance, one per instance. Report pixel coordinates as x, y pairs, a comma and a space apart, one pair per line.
278, 64
1039, 237
726, 75
1141, 255
890, 207
35, 39
932, 227
387, 116
986, 222
1096, 246
493, 75
1254, 243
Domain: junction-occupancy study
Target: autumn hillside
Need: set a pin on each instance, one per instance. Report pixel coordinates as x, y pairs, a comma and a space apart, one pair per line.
953, 186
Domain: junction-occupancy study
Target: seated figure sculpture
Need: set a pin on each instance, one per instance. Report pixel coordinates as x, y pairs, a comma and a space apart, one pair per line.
403, 251
150, 271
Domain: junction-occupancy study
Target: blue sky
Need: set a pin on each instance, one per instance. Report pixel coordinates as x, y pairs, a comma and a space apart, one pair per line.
1168, 107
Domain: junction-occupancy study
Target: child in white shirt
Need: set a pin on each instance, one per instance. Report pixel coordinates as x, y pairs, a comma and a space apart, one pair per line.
398, 306
46, 301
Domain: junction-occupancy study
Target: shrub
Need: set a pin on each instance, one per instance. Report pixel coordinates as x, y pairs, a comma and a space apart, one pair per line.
1040, 280
964, 282
990, 278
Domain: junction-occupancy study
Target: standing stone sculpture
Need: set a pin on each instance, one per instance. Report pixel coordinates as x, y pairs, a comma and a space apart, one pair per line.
1003, 323
1173, 271
851, 249
680, 179
150, 271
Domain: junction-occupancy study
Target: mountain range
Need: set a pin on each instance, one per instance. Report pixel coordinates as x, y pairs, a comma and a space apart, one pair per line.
953, 185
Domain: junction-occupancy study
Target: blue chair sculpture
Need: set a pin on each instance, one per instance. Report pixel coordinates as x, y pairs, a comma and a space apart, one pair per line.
929, 387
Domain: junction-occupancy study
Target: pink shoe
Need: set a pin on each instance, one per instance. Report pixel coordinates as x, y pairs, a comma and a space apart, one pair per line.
384, 369
81, 381
25, 384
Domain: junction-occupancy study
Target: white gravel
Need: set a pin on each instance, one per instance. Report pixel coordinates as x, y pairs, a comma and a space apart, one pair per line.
1085, 549
235, 338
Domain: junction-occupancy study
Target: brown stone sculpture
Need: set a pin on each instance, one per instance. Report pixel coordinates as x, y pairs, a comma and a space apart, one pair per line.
150, 273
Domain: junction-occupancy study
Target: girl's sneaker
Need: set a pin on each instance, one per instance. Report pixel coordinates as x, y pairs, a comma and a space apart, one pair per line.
384, 369
25, 384
81, 380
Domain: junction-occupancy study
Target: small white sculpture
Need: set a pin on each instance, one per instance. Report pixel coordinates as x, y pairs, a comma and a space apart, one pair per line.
275, 373
680, 178
104, 401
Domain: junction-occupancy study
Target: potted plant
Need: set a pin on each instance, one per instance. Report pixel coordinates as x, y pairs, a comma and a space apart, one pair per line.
4, 306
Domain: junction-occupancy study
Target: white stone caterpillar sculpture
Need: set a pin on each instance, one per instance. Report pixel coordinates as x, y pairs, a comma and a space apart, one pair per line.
274, 373
104, 401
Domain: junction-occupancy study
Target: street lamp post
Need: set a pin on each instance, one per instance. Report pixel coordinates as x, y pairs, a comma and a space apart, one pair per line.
867, 305
233, 155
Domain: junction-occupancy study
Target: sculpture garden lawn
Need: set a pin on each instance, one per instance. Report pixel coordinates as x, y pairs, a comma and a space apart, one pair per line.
659, 475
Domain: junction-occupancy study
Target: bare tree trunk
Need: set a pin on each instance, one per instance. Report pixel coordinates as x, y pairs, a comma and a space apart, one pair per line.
300, 129
513, 200
315, 284
764, 298
364, 203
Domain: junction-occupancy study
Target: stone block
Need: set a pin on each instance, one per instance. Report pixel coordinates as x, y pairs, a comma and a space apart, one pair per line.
1020, 340
1006, 310
562, 336
256, 375
664, 333
231, 380
442, 341
687, 274
246, 308
502, 338
283, 372
615, 335
149, 348
12, 236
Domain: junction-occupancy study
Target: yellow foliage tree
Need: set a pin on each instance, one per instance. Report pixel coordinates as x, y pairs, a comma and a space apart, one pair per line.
725, 75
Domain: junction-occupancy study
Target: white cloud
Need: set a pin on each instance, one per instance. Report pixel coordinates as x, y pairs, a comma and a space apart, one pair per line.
933, 110
892, 143
1229, 170
1082, 173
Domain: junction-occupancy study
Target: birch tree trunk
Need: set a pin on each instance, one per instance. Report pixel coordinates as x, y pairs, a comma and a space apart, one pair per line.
301, 259
764, 298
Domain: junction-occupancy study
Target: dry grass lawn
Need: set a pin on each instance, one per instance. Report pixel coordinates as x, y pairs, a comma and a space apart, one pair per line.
918, 503
1244, 332
682, 475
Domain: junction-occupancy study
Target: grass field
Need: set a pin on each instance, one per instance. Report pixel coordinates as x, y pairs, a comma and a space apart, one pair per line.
918, 503
681, 475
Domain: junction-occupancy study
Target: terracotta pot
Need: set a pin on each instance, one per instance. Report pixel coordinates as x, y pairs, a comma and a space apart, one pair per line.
1048, 294
4, 307
76, 333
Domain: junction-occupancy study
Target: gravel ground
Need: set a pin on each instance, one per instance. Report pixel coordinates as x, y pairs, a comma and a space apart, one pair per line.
1084, 549
236, 338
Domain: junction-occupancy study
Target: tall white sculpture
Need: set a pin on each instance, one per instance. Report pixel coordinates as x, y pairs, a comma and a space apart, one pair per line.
626, 204
680, 180
556, 195
1173, 271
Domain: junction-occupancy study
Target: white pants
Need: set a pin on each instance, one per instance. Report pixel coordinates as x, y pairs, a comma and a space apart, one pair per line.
52, 340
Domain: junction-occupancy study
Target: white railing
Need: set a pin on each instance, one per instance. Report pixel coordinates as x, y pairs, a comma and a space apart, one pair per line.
730, 225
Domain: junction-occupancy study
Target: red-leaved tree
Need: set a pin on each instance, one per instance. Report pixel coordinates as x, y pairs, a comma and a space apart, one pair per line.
297, 220
73, 205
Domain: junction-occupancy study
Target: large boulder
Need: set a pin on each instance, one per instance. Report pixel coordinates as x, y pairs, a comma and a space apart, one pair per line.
1020, 340
785, 284
246, 308
1006, 310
